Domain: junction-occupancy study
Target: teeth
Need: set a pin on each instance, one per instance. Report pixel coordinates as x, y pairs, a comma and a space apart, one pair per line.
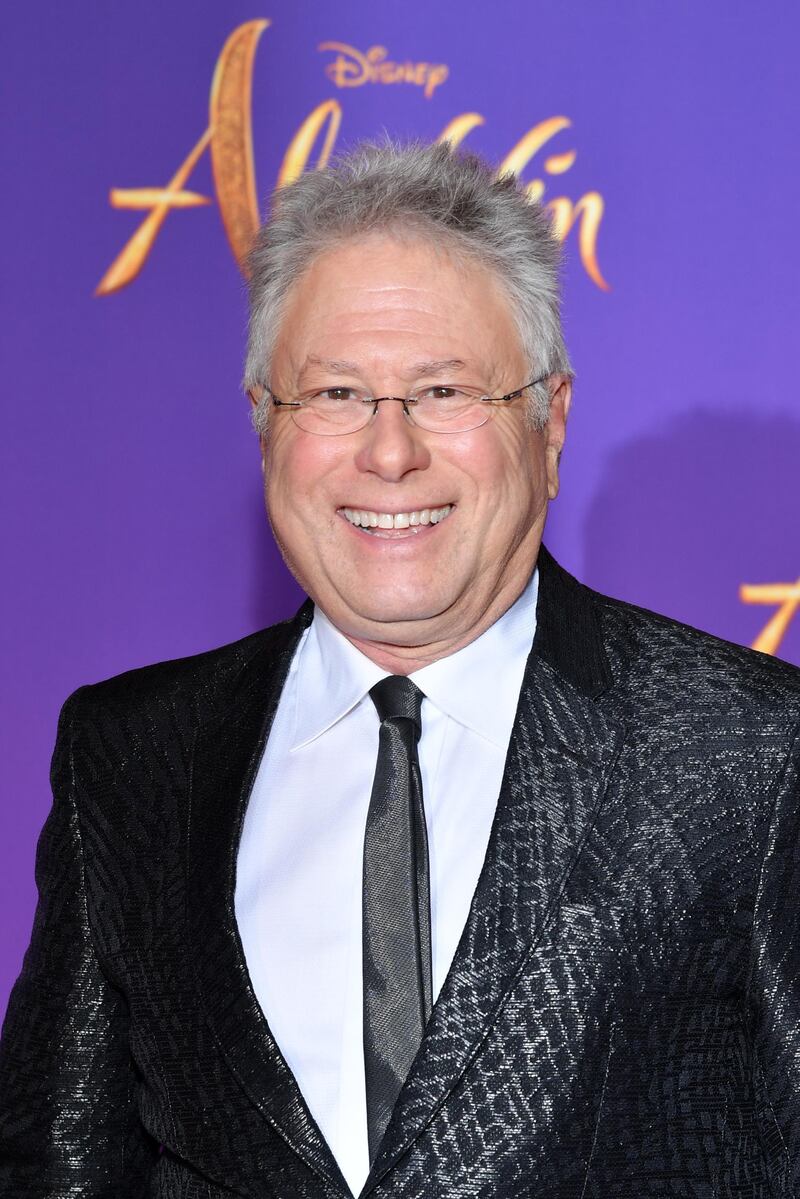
399, 520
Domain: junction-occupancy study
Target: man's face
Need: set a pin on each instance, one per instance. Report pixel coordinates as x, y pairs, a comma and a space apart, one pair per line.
382, 314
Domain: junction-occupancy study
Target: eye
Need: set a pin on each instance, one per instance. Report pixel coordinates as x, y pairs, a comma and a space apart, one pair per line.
335, 394
447, 394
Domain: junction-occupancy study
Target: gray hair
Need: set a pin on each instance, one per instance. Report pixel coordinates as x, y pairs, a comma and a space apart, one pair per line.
434, 192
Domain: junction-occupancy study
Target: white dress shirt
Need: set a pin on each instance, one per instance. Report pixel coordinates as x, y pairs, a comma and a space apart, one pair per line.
299, 868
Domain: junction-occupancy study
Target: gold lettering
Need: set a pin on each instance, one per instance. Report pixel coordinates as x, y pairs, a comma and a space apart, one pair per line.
350, 68
557, 164
436, 77
787, 598
148, 197
590, 208
528, 146
375, 57
229, 135
230, 107
230, 139
297, 155
133, 255
456, 130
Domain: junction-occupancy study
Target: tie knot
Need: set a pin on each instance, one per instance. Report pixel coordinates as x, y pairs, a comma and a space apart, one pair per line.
396, 697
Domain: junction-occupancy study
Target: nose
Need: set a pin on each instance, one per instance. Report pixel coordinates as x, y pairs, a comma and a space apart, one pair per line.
391, 445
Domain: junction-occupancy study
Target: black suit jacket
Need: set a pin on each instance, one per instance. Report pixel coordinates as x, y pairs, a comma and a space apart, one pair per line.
622, 1016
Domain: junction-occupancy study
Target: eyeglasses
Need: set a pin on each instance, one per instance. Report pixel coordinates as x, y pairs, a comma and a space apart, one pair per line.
334, 411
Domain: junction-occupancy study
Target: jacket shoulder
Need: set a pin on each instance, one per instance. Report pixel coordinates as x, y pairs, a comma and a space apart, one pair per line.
196, 684
663, 657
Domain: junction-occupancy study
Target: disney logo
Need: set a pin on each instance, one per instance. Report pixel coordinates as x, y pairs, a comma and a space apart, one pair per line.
351, 68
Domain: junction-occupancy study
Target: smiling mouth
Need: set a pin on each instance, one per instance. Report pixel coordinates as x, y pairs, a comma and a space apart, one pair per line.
381, 523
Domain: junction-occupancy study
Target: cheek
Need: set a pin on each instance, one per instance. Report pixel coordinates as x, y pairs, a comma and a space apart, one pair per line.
297, 468
507, 470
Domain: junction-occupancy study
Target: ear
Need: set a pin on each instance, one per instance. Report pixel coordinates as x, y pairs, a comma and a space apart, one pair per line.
555, 430
254, 394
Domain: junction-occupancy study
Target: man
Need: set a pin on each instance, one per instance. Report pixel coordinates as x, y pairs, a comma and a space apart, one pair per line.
467, 881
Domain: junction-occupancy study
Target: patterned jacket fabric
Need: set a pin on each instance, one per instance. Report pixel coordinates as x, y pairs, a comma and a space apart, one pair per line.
622, 1016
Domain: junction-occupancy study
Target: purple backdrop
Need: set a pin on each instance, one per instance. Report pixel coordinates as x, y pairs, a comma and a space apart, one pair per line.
134, 528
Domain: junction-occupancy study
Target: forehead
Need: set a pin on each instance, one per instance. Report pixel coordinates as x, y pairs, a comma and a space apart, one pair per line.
379, 299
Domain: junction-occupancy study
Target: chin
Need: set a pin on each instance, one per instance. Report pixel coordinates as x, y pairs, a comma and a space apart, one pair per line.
391, 614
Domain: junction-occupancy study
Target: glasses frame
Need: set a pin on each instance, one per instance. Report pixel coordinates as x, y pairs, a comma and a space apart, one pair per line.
405, 401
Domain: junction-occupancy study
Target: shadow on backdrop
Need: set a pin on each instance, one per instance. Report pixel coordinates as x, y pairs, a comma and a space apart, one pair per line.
685, 515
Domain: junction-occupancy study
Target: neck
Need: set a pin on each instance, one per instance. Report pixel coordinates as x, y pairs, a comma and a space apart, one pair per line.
405, 658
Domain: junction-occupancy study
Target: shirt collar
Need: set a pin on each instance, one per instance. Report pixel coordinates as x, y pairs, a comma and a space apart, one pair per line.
332, 677
478, 685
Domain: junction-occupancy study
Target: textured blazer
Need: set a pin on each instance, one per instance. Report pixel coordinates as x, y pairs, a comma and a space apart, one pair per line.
622, 1016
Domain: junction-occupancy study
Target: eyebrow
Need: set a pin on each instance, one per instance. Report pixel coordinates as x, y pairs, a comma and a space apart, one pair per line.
339, 365
437, 366
331, 364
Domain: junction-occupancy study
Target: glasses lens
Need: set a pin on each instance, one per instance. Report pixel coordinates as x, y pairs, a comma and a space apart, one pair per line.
449, 410
331, 417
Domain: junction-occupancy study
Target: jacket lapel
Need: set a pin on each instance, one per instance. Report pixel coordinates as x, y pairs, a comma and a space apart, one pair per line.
560, 757
228, 750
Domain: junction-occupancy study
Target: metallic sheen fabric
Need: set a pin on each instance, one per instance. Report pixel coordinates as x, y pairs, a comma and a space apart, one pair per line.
622, 1016
397, 970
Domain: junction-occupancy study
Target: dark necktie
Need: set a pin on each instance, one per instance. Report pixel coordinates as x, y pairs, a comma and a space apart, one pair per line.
396, 914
